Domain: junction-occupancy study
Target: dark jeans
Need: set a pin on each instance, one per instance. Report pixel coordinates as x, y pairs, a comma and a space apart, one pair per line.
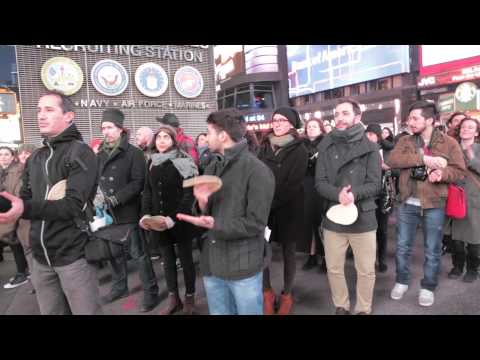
289, 269
20, 259
186, 259
382, 234
409, 217
137, 248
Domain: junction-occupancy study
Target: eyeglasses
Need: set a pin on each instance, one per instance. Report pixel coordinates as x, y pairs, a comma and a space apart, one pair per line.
278, 121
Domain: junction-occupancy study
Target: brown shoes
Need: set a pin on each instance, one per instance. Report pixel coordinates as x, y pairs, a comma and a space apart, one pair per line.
268, 302
174, 305
286, 303
189, 304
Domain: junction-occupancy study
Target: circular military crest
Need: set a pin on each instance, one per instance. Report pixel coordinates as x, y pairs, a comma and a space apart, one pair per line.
188, 82
62, 74
466, 92
109, 77
151, 79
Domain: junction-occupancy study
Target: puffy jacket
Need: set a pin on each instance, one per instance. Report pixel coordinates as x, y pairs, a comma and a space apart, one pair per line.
55, 239
122, 174
10, 181
406, 154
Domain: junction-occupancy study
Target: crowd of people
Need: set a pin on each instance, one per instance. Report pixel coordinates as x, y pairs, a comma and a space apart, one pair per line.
279, 188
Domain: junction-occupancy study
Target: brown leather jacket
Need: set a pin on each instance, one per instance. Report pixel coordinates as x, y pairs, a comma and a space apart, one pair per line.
406, 155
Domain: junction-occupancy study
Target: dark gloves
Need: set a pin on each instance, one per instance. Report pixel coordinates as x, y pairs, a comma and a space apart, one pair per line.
111, 201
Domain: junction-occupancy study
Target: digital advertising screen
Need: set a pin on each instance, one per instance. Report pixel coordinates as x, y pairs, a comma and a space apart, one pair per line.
314, 68
261, 58
229, 62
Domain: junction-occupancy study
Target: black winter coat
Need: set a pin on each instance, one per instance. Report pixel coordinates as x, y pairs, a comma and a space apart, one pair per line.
289, 167
55, 239
314, 203
122, 174
164, 195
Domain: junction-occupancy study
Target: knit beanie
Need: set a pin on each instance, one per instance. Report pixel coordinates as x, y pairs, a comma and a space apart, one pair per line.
291, 114
376, 129
114, 116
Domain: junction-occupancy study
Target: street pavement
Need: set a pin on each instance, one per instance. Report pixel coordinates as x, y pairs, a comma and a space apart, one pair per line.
311, 290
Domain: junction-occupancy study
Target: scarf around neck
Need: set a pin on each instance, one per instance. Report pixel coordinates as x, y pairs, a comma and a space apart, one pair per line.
182, 162
352, 134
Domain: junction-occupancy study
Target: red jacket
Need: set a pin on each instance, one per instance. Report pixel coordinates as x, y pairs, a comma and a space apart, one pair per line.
186, 144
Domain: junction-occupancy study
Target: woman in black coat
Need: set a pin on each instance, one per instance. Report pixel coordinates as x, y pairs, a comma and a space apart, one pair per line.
282, 150
164, 195
311, 243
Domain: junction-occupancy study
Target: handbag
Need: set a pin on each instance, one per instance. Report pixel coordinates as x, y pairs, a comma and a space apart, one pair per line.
107, 243
456, 206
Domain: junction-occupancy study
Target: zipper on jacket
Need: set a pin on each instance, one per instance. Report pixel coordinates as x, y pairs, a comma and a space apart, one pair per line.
46, 196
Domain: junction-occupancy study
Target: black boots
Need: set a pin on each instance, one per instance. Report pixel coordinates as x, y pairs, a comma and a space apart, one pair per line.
458, 260
311, 262
473, 262
174, 304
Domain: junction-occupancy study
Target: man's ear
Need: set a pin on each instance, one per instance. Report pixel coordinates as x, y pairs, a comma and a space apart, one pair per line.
69, 116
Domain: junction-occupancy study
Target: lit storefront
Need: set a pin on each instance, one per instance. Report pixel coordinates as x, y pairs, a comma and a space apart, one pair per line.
251, 78
450, 76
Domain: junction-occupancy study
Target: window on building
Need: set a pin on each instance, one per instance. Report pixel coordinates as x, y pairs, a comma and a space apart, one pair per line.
384, 84
372, 86
327, 95
243, 100
229, 102
355, 90
263, 100
337, 93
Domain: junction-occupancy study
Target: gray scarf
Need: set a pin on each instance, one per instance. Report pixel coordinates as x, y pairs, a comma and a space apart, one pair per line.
352, 134
182, 162
279, 142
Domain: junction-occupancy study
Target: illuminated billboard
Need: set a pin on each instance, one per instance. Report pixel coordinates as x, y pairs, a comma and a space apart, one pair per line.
228, 62
313, 68
447, 64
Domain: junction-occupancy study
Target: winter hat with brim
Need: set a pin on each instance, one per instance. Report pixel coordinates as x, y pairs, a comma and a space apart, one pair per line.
291, 114
169, 119
114, 116
376, 129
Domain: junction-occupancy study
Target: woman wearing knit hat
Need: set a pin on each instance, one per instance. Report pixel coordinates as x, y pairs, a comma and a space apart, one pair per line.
284, 153
164, 197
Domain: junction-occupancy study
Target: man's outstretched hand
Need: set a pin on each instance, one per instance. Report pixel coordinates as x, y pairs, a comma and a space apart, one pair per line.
15, 212
206, 222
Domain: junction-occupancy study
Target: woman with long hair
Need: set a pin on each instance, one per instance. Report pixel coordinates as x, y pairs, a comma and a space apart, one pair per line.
314, 204
165, 196
282, 150
464, 232
11, 181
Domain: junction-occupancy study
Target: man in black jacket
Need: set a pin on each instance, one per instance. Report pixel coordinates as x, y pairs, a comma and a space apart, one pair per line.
64, 281
235, 216
349, 171
122, 170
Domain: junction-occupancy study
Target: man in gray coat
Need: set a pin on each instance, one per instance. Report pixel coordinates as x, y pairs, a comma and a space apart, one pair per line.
349, 171
235, 216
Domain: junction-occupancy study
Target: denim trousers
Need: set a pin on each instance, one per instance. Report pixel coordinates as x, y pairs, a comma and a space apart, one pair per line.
136, 247
432, 220
234, 297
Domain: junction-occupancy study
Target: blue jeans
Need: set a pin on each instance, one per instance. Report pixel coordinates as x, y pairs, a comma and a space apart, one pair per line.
136, 247
409, 216
236, 297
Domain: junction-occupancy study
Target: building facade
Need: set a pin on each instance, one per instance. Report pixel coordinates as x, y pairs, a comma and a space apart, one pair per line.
144, 81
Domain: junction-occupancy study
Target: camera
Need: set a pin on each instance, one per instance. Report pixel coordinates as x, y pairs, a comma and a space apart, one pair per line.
419, 173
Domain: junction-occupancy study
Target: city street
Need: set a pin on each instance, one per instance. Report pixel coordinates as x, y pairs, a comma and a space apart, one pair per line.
311, 291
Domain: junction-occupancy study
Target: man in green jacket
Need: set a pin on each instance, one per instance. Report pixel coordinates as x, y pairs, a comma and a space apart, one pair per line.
232, 257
